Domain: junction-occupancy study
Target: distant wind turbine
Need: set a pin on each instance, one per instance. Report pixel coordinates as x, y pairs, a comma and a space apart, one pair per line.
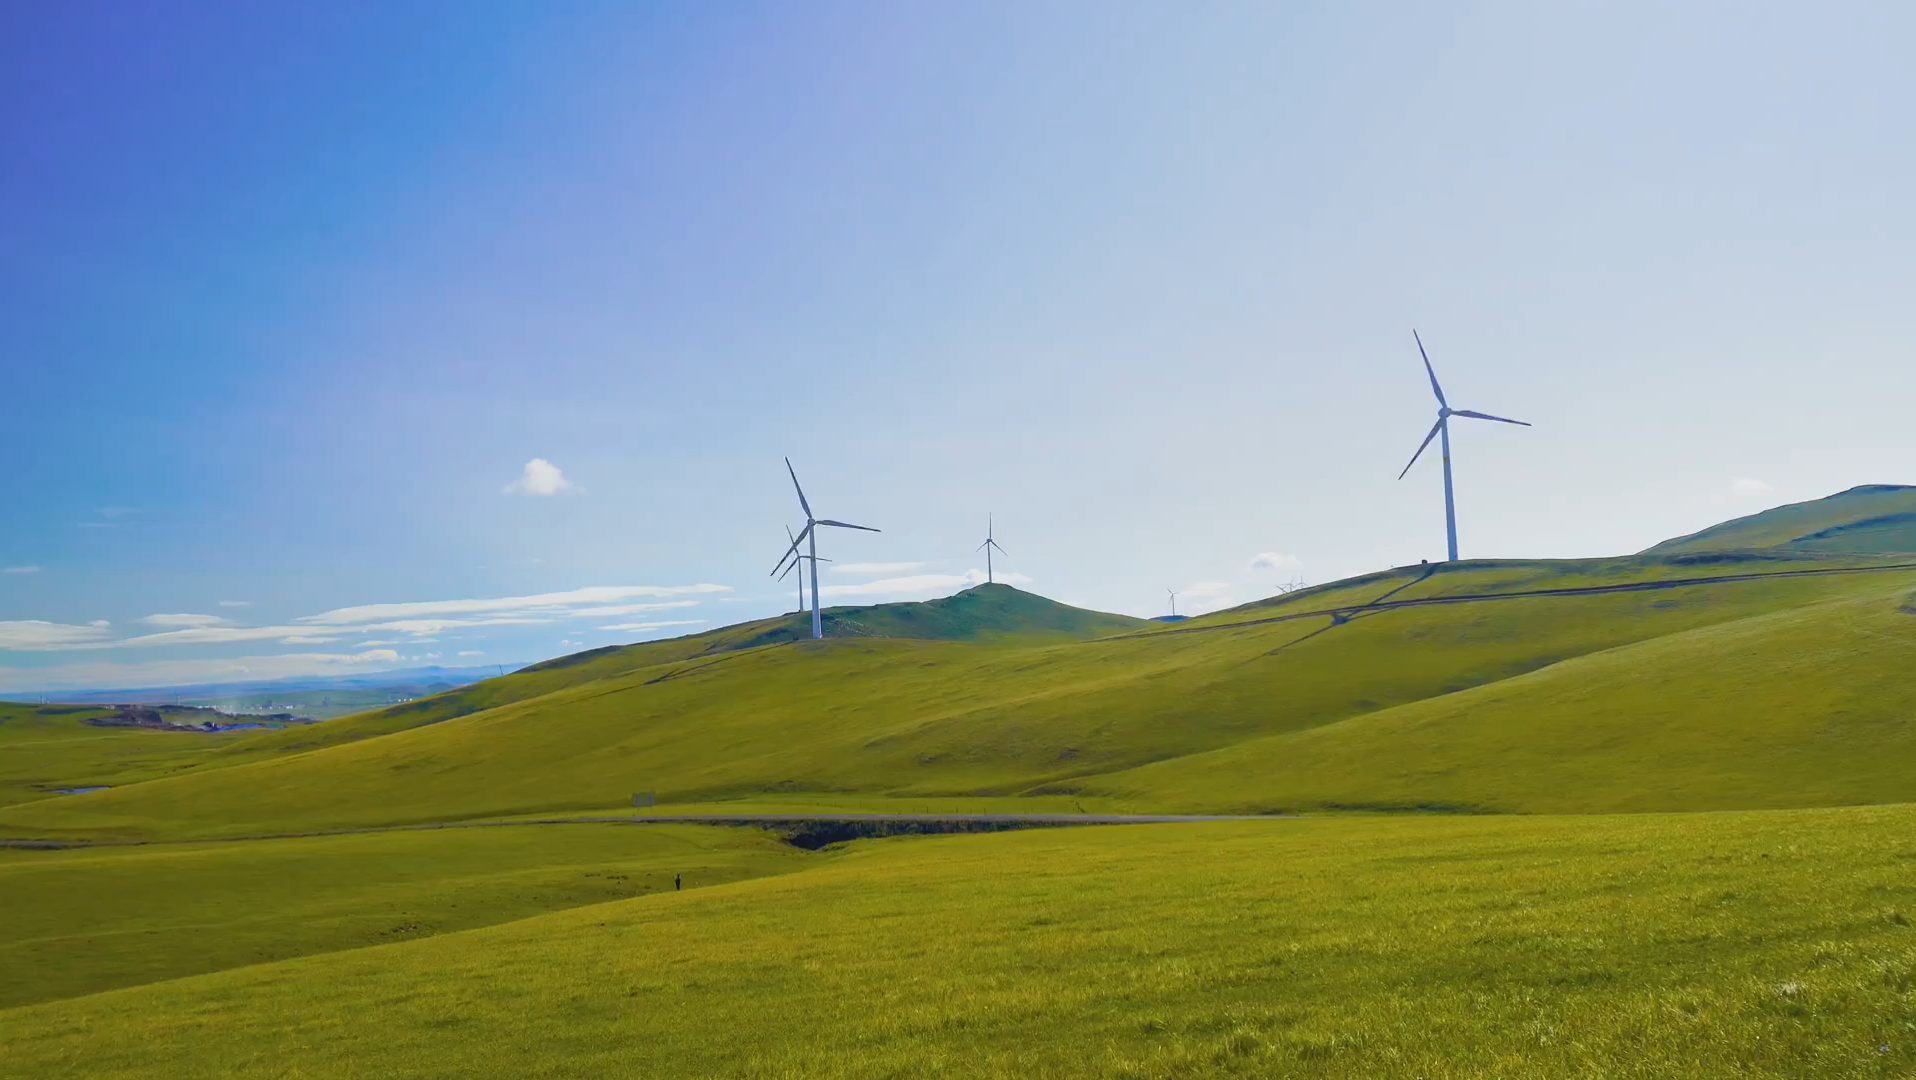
986, 548
794, 566
810, 533
1442, 427
1174, 602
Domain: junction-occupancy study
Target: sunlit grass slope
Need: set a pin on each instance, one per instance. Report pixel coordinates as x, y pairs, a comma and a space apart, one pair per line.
81, 921
919, 718
985, 613
1810, 706
1870, 518
1714, 945
44, 748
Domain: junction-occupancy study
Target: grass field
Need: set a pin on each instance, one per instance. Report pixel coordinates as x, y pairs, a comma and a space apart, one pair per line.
1238, 711
80, 921
1872, 518
1770, 944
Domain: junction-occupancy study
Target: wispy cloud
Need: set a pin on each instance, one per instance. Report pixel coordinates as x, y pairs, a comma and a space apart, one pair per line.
180, 622
306, 639
165, 672
21, 570
1274, 560
594, 595
472, 652
540, 477
35, 635
639, 626
1204, 596
875, 567
1749, 485
236, 603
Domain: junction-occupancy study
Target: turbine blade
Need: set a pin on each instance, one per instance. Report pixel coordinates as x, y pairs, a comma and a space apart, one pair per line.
848, 525
800, 490
1000, 547
788, 570
1432, 372
984, 545
1434, 429
1487, 416
790, 551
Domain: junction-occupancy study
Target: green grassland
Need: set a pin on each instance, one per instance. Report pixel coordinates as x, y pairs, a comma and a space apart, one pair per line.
85, 920
1224, 713
1768, 944
1872, 518
44, 748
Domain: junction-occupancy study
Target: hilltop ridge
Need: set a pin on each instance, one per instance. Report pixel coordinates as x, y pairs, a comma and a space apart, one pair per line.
1866, 519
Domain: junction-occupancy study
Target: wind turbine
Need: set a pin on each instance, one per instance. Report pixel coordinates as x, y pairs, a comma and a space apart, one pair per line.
810, 532
986, 548
1442, 427
1174, 602
794, 566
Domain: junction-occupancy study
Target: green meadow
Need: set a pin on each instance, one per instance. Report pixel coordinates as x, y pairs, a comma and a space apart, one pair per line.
1637, 817
1766, 944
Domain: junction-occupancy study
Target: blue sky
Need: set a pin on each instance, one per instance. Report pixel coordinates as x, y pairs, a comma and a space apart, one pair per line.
291, 295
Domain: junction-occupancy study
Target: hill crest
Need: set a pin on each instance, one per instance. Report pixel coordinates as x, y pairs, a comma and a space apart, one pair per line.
1866, 519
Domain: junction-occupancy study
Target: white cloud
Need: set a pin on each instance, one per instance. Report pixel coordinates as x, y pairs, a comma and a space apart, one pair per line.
558, 603
540, 477
1204, 596
181, 622
472, 652
172, 672
21, 570
102, 623
630, 609
1748, 485
875, 567
36, 635
236, 603
1274, 560
370, 644
306, 639
637, 626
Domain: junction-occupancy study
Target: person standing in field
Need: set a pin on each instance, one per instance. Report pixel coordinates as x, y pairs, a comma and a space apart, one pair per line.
675, 883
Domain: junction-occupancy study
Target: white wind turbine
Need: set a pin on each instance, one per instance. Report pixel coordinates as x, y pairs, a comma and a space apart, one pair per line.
795, 564
1442, 427
986, 548
810, 532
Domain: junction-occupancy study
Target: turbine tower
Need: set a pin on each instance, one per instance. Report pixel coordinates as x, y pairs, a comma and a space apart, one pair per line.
1442, 427
810, 533
794, 566
1174, 602
986, 548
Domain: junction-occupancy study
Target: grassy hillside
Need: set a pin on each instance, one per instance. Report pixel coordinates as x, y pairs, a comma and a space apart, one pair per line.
1711, 945
1807, 706
44, 748
195, 908
1870, 518
983, 613
919, 718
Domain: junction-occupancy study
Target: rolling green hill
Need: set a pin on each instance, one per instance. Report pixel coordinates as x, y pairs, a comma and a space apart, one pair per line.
1866, 519
47, 748
983, 613
1482, 686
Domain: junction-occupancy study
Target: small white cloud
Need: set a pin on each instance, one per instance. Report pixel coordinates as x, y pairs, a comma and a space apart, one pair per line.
1748, 485
875, 567
21, 570
472, 652
182, 622
101, 623
540, 477
637, 626
370, 644
1274, 560
307, 639
236, 603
